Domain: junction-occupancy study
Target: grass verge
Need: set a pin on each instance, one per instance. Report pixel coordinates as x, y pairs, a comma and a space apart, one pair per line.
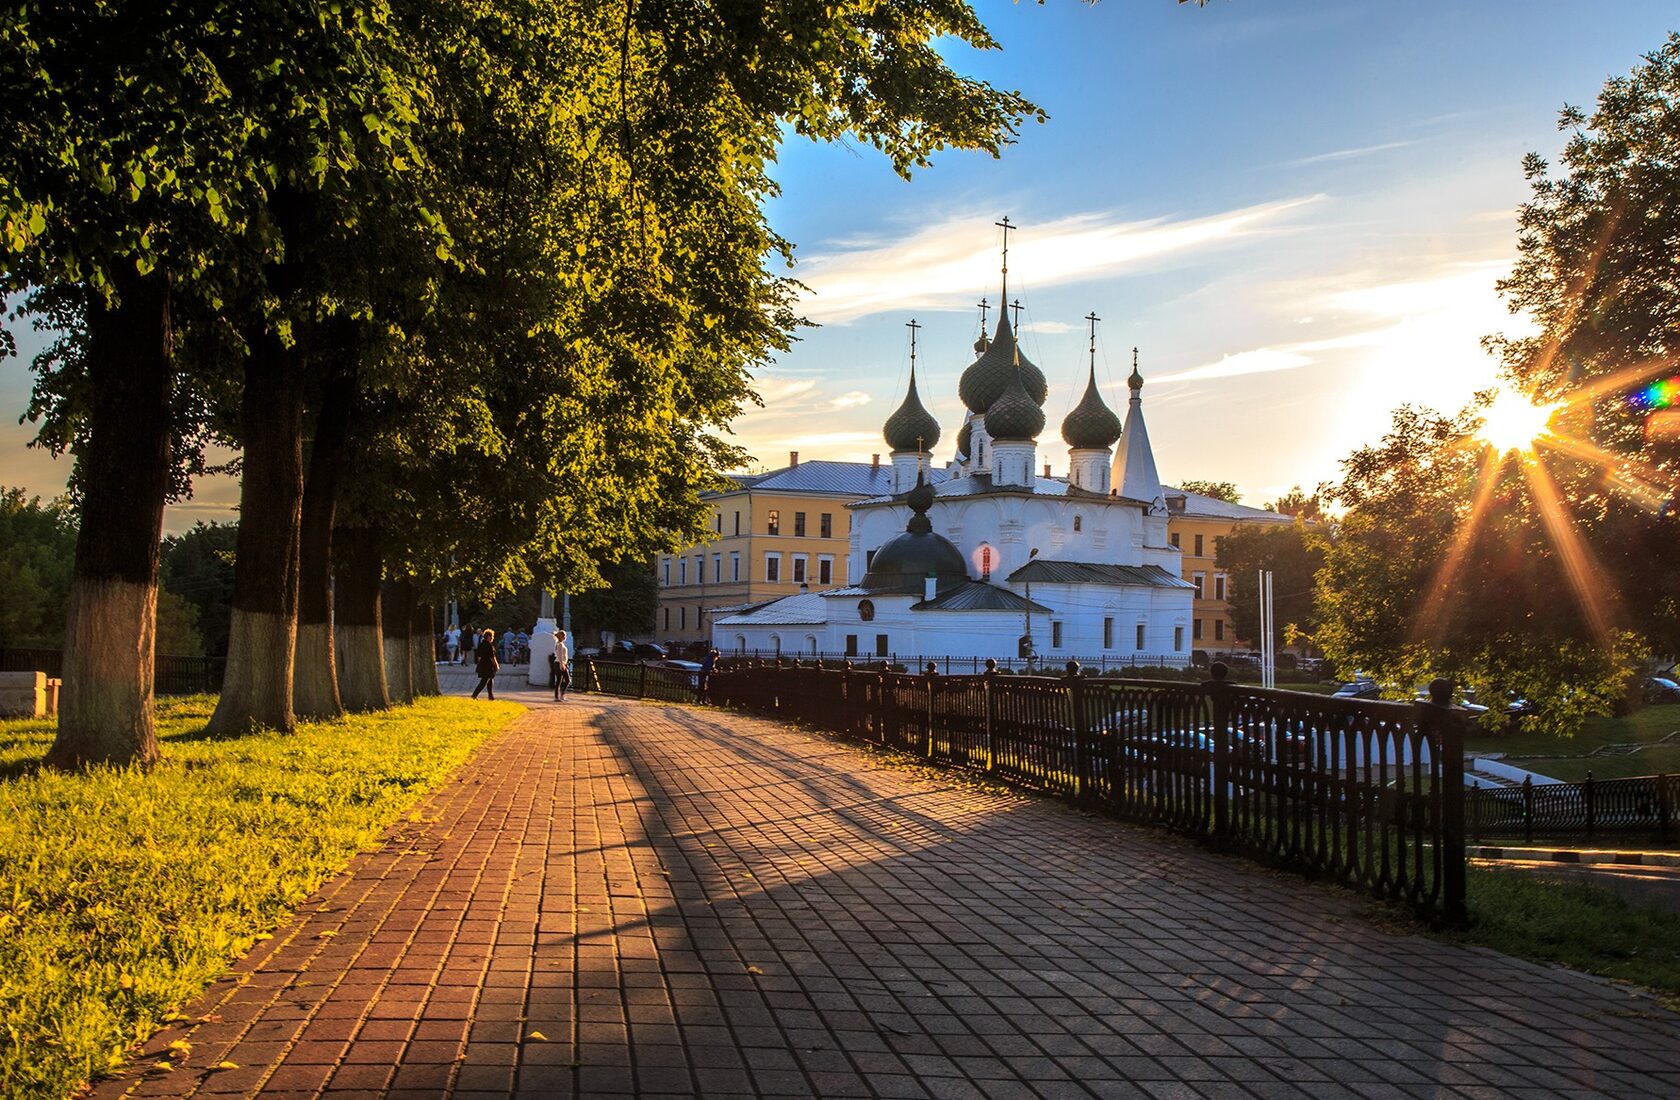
1576, 925
124, 893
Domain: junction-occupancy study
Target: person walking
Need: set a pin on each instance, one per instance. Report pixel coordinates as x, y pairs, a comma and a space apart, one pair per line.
469, 641
485, 654
703, 683
560, 667
452, 643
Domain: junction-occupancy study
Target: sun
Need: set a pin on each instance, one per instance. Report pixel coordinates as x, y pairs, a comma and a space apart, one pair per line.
1513, 422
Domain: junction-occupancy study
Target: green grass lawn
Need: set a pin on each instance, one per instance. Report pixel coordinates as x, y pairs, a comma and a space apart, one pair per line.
1541, 753
124, 893
1576, 925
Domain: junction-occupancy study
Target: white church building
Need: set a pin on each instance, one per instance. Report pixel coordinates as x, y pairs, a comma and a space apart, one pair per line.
989, 556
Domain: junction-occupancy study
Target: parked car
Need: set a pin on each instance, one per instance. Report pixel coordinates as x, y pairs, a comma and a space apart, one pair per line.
691, 668
1660, 689
632, 651
1358, 689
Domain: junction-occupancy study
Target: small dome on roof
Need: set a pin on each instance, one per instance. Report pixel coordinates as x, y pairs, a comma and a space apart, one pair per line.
1092, 424
912, 427
903, 563
984, 382
1015, 415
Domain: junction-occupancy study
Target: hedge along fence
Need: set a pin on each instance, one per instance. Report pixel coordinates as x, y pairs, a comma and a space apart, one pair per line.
1366, 792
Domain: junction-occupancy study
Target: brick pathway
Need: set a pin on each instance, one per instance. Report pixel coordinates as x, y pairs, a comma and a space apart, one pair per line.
617, 898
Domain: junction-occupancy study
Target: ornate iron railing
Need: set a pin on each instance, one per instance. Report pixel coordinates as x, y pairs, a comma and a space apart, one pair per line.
1638, 805
1365, 792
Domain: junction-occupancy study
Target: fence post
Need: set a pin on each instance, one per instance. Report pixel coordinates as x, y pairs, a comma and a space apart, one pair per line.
1589, 800
1665, 807
1219, 703
987, 684
641, 689
1448, 726
932, 673
1081, 733
846, 698
1528, 809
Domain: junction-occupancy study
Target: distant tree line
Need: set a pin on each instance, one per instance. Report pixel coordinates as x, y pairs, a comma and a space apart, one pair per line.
471, 289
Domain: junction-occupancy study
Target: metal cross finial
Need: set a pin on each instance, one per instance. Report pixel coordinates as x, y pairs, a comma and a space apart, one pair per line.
1006, 225
1016, 306
913, 326
1093, 318
1134, 359
918, 445
984, 305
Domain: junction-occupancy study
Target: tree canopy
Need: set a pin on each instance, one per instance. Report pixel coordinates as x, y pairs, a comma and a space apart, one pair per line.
1219, 490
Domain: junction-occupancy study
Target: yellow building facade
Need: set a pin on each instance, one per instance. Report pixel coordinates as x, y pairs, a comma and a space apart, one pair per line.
772, 535
1195, 525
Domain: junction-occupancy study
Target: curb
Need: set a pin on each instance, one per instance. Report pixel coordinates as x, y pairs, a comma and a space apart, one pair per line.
1577, 855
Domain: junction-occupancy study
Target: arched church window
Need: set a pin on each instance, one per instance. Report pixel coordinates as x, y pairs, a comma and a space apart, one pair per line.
866, 610
1078, 523
985, 561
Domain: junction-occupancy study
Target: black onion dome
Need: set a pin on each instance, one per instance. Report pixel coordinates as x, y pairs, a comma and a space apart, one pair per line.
912, 427
1015, 415
1092, 424
984, 382
903, 562
965, 439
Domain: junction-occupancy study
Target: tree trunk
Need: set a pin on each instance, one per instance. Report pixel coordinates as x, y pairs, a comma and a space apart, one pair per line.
315, 677
105, 713
422, 642
396, 599
360, 642
257, 689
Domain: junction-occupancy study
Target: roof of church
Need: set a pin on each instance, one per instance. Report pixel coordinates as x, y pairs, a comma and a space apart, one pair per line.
1082, 572
822, 476
1198, 504
979, 596
973, 485
802, 609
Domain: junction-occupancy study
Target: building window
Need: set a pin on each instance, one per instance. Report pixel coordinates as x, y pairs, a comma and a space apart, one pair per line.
772, 567
737, 521
734, 565
1199, 546
1078, 523
1055, 634
866, 610
985, 561
799, 568
740, 643
773, 525
799, 524
1219, 630
682, 618
718, 516
825, 525
881, 645
1140, 637
776, 643
1174, 540
682, 570
851, 645
1200, 581
717, 568
825, 570
699, 569
1219, 586
667, 617
1108, 633
1196, 629
1178, 639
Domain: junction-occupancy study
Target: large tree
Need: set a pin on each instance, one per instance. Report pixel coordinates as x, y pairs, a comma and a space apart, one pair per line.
1294, 558
1599, 271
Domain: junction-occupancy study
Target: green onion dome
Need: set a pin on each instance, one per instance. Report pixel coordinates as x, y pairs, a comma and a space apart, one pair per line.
1092, 424
984, 382
912, 427
965, 439
1015, 415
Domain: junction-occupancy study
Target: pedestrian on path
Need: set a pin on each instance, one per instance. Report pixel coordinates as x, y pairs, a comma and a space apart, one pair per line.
487, 664
560, 667
703, 683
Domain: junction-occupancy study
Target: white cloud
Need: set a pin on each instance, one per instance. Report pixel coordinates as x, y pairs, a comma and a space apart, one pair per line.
940, 265
1051, 327
1348, 154
853, 400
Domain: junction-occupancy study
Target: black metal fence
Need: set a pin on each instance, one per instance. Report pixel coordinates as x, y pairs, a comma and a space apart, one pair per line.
171, 675
1641, 805
956, 666
1365, 792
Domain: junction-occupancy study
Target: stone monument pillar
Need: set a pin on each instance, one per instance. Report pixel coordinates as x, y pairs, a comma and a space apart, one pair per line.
542, 642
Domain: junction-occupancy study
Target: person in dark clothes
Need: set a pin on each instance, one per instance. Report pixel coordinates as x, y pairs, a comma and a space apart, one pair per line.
469, 642
485, 655
703, 684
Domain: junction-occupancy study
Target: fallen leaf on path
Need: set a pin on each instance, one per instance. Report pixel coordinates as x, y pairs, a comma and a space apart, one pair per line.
537, 1035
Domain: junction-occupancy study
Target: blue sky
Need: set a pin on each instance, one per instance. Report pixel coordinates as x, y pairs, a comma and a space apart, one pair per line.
1297, 211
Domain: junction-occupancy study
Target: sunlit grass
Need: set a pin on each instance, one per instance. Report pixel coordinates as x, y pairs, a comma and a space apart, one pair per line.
124, 893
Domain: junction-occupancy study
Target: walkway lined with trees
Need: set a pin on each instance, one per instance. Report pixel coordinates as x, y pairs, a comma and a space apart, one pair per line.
620, 897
